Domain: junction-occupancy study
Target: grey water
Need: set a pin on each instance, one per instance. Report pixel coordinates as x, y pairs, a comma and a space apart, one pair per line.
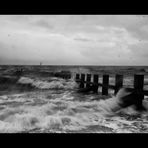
38, 102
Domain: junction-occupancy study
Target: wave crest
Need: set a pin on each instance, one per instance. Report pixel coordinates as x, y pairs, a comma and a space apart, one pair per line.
54, 84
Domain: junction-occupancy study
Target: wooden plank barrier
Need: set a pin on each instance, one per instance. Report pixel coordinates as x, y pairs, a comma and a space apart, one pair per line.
88, 79
82, 80
95, 80
118, 82
137, 85
77, 77
105, 84
138, 82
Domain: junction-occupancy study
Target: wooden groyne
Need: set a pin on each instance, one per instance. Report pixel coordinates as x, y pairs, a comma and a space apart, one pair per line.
63, 74
85, 83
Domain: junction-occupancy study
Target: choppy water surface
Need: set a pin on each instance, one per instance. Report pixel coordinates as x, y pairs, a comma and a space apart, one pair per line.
55, 106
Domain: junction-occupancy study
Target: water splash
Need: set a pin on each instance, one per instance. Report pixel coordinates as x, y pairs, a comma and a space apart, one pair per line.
67, 111
54, 83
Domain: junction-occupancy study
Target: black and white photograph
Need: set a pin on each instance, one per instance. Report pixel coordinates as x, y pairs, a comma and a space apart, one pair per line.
73, 73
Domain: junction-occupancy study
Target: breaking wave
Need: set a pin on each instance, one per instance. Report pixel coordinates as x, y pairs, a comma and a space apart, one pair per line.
67, 112
54, 83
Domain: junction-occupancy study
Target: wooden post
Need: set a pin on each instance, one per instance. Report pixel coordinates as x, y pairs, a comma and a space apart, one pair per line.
82, 80
88, 79
138, 87
138, 83
95, 80
118, 82
105, 84
77, 76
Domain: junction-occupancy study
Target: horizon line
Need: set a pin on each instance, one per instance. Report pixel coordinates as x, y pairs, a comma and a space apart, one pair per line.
62, 65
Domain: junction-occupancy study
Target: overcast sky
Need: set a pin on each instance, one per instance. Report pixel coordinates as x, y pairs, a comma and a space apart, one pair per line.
74, 39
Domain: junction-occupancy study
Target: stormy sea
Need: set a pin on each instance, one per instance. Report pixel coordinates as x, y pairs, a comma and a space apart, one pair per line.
40, 101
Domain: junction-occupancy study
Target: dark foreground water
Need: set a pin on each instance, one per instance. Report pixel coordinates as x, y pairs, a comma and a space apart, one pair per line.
49, 104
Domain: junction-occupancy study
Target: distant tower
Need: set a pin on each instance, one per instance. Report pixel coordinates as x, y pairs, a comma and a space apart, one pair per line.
40, 63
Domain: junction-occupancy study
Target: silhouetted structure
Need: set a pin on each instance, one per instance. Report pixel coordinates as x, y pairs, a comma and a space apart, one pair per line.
137, 91
63, 74
19, 72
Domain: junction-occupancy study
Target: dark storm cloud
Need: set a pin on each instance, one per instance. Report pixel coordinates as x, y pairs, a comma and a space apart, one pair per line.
74, 39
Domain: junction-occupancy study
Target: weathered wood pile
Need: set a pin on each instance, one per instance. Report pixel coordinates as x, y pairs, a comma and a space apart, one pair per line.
63, 74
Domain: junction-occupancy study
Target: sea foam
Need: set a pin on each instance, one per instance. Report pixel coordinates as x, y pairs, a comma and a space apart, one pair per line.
65, 112
60, 84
